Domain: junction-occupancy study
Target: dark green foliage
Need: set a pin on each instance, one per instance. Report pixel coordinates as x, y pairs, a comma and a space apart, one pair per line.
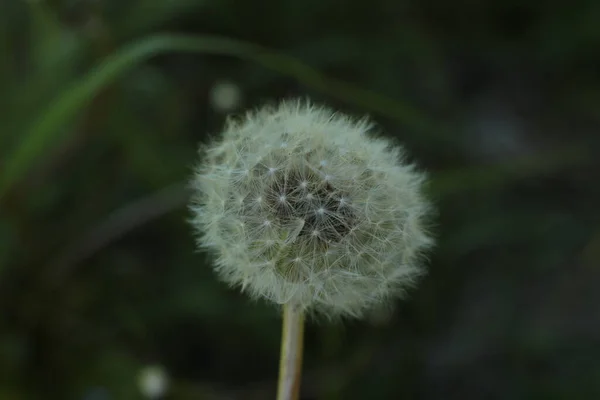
100, 118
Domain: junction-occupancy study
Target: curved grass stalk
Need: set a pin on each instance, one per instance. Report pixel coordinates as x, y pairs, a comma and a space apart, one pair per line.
45, 130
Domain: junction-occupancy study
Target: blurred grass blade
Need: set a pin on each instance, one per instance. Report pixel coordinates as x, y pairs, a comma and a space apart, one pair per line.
45, 130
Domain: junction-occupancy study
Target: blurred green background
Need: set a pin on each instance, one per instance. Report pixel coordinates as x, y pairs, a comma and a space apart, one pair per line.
104, 102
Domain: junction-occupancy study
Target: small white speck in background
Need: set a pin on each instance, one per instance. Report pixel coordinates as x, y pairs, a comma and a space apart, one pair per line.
153, 381
225, 96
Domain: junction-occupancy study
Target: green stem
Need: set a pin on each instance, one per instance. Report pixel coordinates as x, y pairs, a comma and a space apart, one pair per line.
290, 362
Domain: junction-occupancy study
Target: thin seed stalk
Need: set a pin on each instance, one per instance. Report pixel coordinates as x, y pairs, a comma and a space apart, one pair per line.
290, 362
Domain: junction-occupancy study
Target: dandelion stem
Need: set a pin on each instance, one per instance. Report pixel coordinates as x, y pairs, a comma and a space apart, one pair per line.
290, 364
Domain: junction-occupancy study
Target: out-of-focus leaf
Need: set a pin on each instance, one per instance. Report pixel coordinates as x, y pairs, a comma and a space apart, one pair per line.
494, 175
133, 17
46, 130
113, 372
7, 243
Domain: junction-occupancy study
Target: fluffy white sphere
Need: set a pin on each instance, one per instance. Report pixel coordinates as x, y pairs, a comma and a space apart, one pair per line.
300, 205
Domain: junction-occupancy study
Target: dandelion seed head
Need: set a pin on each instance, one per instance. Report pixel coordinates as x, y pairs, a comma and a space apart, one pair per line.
323, 215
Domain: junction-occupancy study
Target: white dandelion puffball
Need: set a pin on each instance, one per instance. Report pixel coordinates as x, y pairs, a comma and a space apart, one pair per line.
301, 205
